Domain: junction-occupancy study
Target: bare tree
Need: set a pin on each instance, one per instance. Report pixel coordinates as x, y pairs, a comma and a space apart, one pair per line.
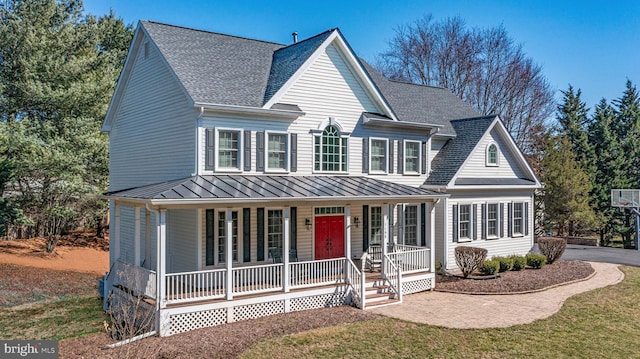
484, 67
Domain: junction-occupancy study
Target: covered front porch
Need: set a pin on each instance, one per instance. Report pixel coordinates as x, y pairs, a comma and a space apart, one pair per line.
286, 254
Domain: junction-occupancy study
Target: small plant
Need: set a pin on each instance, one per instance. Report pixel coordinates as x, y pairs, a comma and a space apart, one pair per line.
506, 263
490, 267
469, 259
519, 262
552, 248
536, 261
439, 269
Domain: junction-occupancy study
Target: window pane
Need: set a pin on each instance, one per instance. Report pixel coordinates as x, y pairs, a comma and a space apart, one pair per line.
330, 151
412, 157
376, 225
228, 149
274, 230
277, 151
378, 153
411, 225
492, 219
517, 218
493, 155
464, 220
222, 239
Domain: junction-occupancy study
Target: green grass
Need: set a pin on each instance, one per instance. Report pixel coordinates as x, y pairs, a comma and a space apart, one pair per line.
68, 317
600, 323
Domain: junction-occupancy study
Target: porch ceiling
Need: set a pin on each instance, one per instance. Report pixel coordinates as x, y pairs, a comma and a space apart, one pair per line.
220, 189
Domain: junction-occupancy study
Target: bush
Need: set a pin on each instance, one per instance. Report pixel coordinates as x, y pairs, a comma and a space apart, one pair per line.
552, 248
490, 267
519, 262
506, 263
536, 261
469, 259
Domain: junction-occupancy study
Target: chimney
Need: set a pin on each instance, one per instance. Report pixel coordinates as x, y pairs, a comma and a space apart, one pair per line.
295, 37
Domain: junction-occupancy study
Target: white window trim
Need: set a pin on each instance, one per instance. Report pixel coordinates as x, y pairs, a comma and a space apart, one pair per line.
404, 159
266, 232
386, 155
498, 224
318, 133
486, 155
240, 150
515, 234
471, 219
287, 154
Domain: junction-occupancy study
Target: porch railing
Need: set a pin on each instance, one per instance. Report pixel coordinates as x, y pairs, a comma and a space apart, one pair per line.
411, 259
393, 274
356, 282
197, 285
316, 273
257, 279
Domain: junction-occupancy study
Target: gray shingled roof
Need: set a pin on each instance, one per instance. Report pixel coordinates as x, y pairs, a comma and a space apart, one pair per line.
451, 157
253, 188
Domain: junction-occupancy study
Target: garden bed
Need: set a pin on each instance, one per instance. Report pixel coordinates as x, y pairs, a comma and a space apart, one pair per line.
518, 281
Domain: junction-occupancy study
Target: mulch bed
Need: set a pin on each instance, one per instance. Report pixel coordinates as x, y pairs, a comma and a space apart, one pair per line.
225, 341
521, 281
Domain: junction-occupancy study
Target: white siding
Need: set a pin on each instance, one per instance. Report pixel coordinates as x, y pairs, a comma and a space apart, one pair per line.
496, 247
476, 167
152, 138
182, 240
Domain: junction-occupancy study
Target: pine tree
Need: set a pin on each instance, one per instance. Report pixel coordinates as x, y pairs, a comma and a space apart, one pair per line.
573, 118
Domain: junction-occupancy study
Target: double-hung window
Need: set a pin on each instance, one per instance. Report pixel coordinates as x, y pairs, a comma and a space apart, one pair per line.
277, 151
518, 219
464, 221
330, 151
412, 157
223, 233
228, 153
378, 155
492, 220
411, 225
376, 225
275, 230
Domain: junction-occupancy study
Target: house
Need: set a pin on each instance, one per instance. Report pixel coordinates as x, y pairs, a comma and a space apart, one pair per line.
249, 178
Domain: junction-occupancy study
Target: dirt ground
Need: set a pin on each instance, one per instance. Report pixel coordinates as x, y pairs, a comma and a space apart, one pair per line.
78, 252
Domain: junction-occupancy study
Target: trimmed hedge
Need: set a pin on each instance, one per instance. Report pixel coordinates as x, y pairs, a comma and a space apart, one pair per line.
536, 261
506, 263
490, 267
519, 262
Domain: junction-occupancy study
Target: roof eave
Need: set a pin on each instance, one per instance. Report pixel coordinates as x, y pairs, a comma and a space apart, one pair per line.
246, 110
374, 122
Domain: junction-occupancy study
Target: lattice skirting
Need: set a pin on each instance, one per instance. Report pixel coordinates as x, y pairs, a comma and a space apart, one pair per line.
319, 301
180, 323
419, 285
252, 311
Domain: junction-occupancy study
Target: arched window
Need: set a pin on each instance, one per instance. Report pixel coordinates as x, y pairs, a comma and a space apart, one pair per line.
492, 155
330, 151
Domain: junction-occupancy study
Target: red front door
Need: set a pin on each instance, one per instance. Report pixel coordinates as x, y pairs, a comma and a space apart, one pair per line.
329, 239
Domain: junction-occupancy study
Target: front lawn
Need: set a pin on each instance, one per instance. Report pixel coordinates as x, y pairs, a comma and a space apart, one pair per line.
600, 323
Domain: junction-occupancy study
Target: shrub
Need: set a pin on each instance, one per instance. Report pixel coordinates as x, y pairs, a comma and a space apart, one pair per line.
506, 263
536, 261
469, 259
490, 267
552, 248
519, 262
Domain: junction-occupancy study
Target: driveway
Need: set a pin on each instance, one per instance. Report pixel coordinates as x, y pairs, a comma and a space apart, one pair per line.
629, 257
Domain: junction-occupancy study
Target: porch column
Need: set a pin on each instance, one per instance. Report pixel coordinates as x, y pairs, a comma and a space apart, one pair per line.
115, 236
161, 270
347, 240
431, 220
229, 253
285, 250
136, 237
385, 234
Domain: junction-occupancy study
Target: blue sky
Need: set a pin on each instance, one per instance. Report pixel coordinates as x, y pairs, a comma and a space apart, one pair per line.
593, 45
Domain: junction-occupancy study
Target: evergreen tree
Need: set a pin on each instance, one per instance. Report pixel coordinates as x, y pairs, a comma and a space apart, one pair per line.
573, 118
566, 189
627, 128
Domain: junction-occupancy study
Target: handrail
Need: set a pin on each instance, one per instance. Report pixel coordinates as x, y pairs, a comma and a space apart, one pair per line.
393, 274
411, 259
355, 281
314, 273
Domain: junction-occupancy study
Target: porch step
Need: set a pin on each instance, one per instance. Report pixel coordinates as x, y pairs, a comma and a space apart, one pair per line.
381, 303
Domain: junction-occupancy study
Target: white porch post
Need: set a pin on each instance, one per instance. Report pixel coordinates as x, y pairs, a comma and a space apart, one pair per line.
136, 237
229, 253
347, 242
161, 270
431, 221
385, 233
285, 250
116, 235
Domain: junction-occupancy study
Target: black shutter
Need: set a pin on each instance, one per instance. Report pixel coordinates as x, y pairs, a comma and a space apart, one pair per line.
294, 152
210, 240
365, 155
365, 228
510, 216
209, 149
424, 157
474, 221
483, 235
260, 151
501, 220
526, 218
455, 222
260, 239
391, 146
293, 228
401, 157
423, 224
246, 235
247, 150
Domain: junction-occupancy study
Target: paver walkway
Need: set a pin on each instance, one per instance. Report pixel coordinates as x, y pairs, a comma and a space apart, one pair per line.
493, 311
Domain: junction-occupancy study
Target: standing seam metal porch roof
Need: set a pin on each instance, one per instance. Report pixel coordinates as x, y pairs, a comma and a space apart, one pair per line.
223, 188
